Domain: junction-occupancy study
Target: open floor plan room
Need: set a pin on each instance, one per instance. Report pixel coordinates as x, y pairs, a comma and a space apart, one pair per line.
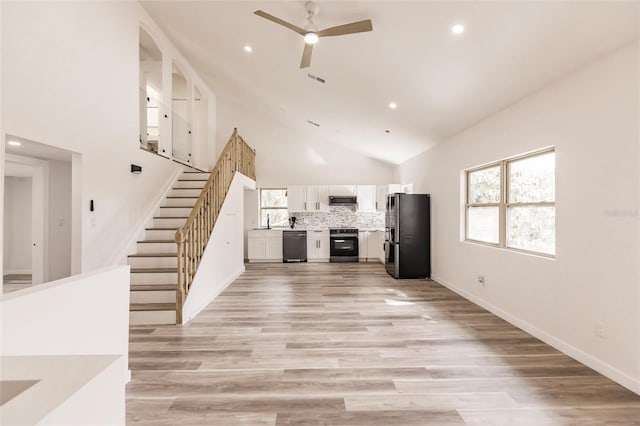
346, 344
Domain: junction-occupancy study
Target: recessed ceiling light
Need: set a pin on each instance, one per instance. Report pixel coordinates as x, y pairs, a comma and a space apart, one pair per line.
393, 105
248, 48
457, 29
14, 143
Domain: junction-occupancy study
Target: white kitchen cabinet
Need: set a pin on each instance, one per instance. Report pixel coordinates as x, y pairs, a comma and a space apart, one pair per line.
381, 194
342, 190
318, 246
264, 245
297, 198
362, 245
370, 246
318, 198
366, 198
375, 242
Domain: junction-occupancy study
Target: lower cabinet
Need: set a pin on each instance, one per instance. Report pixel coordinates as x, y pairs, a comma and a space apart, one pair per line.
264, 245
370, 246
318, 246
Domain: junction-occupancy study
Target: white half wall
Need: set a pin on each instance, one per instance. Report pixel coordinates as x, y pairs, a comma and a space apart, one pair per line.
17, 225
223, 259
591, 117
64, 317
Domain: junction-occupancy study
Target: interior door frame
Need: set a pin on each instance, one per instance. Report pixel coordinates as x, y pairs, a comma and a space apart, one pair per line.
39, 215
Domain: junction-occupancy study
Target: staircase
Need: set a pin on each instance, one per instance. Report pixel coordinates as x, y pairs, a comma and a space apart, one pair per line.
154, 267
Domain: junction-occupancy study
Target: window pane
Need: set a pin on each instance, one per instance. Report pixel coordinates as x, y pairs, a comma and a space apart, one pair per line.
533, 179
484, 186
273, 198
532, 228
482, 224
277, 217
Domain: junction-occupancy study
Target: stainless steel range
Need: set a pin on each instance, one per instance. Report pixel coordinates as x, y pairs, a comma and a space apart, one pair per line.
343, 244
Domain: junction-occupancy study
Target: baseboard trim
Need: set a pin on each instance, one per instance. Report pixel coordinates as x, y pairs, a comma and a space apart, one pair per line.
564, 347
204, 304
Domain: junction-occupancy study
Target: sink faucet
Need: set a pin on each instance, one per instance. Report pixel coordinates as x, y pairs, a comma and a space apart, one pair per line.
268, 226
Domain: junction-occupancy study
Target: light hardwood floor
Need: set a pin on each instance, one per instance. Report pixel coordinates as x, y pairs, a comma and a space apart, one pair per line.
347, 344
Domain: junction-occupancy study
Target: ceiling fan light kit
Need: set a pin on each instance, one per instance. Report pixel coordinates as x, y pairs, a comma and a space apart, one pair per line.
310, 32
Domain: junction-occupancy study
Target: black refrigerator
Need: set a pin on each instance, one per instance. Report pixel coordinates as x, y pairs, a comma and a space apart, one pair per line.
408, 235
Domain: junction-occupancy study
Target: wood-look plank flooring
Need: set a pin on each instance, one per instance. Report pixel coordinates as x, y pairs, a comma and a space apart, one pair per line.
15, 282
345, 344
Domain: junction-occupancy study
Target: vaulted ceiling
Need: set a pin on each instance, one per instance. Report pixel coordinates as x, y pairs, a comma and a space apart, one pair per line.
441, 82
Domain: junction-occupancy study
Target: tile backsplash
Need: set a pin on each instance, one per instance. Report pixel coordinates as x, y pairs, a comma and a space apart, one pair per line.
339, 217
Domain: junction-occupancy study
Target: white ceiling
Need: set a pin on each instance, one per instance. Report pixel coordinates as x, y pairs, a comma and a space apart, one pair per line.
442, 83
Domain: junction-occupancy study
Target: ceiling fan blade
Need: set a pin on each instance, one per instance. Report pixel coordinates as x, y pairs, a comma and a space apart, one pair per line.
354, 27
272, 18
306, 56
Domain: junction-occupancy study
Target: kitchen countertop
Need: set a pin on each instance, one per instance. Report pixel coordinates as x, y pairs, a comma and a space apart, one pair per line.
310, 229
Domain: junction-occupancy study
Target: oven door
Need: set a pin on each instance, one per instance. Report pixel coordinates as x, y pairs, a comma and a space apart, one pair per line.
343, 248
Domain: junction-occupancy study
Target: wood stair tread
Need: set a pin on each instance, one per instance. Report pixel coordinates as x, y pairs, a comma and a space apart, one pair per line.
157, 241
154, 255
153, 270
163, 229
152, 306
182, 196
170, 217
154, 287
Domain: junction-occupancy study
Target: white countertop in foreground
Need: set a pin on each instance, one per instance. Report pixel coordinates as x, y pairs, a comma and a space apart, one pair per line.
57, 378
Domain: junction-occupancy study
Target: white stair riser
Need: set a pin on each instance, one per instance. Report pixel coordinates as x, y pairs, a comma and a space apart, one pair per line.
169, 222
175, 211
163, 296
152, 317
160, 234
153, 262
154, 278
190, 184
144, 248
194, 176
185, 192
179, 202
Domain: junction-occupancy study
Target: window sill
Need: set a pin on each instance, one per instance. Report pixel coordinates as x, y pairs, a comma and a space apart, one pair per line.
510, 250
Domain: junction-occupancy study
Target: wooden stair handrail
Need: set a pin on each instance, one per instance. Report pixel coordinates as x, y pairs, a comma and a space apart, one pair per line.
192, 238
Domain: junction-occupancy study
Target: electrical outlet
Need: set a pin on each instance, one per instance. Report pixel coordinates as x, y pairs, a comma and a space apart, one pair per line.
481, 280
600, 330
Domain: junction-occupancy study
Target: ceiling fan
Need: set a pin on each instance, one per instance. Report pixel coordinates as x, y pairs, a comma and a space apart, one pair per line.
310, 31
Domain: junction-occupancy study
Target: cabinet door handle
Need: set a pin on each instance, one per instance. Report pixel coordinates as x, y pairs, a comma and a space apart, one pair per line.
305, 205
318, 243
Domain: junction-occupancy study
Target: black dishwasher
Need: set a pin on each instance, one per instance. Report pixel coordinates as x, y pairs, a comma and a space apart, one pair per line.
294, 246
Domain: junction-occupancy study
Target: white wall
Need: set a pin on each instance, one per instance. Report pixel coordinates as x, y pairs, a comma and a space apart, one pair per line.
223, 259
80, 61
59, 219
591, 117
288, 156
17, 225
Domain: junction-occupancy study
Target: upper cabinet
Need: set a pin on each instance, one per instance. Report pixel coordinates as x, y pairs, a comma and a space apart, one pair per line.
366, 198
342, 190
381, 194
308, 198
318, 198
297, 198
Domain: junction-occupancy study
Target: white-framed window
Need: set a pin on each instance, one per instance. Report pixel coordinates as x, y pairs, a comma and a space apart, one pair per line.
511, 203
273, 205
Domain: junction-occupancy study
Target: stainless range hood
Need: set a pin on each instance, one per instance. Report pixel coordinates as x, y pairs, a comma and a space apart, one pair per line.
345, 201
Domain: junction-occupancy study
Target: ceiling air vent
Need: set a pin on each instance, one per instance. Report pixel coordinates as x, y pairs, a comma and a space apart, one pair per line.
313, 77
313, 123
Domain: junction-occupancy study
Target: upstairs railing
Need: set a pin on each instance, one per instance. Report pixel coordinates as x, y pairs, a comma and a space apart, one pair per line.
193, 237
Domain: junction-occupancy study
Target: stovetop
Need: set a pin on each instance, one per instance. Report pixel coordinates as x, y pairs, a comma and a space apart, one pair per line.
343, 230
